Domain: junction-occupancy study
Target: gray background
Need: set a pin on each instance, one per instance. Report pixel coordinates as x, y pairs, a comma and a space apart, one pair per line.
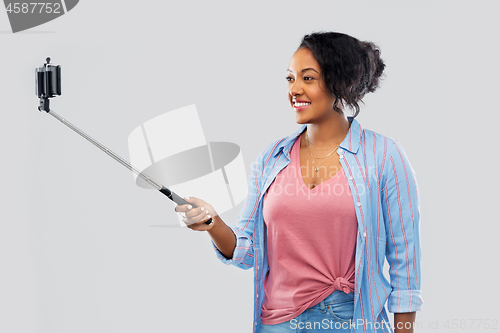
83, 249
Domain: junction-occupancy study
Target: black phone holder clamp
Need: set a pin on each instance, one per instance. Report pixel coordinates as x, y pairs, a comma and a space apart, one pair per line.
48, 83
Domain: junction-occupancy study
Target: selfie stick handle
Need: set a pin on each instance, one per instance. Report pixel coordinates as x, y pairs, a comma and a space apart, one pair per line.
171, 195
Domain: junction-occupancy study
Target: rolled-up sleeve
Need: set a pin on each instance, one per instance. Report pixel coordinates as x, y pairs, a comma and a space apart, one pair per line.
243, 252
400, 206
243, 255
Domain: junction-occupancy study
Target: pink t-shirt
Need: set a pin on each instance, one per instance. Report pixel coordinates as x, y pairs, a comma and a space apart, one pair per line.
311, 241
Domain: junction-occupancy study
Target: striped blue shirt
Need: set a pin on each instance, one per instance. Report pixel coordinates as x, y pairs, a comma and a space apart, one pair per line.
385, 196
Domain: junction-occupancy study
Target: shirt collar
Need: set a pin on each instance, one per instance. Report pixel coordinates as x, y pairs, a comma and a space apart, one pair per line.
350, 143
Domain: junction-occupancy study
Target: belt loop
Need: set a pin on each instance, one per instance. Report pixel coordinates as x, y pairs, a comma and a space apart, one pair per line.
322, 306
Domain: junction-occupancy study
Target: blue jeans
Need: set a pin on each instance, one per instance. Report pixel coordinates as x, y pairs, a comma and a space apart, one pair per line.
333, 314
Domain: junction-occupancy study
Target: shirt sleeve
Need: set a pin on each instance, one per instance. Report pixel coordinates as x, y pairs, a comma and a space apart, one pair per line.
243, 255
400, 206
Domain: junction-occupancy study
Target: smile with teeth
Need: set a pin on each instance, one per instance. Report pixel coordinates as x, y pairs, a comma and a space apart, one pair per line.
295, 104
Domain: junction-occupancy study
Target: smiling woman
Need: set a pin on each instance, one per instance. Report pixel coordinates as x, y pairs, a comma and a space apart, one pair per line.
318, 254
306, 87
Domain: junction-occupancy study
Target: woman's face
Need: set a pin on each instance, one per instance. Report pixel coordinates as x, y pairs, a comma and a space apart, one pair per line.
307, 92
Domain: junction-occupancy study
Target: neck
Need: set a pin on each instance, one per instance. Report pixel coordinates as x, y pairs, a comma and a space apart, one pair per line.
328, 133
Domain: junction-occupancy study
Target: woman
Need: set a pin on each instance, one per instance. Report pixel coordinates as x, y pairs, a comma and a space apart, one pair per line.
325, 206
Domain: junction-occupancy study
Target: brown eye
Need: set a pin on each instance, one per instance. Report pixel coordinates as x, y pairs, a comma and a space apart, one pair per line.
288, 78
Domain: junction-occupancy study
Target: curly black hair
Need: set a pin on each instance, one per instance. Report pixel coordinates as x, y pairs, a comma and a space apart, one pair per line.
351, 68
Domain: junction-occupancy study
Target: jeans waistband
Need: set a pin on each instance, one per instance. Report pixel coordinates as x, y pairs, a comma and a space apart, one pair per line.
338, 296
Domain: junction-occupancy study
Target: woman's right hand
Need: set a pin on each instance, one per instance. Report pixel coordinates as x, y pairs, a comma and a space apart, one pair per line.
195, 218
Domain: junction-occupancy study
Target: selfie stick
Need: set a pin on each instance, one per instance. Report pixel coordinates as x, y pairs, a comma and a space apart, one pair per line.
48, 85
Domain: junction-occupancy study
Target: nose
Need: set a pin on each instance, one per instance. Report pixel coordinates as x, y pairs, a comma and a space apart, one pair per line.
295, 88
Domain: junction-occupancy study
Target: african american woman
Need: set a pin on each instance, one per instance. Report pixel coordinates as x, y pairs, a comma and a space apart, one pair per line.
326, 206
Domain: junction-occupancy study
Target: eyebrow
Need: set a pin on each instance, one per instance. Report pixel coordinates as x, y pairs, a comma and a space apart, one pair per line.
305, 69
